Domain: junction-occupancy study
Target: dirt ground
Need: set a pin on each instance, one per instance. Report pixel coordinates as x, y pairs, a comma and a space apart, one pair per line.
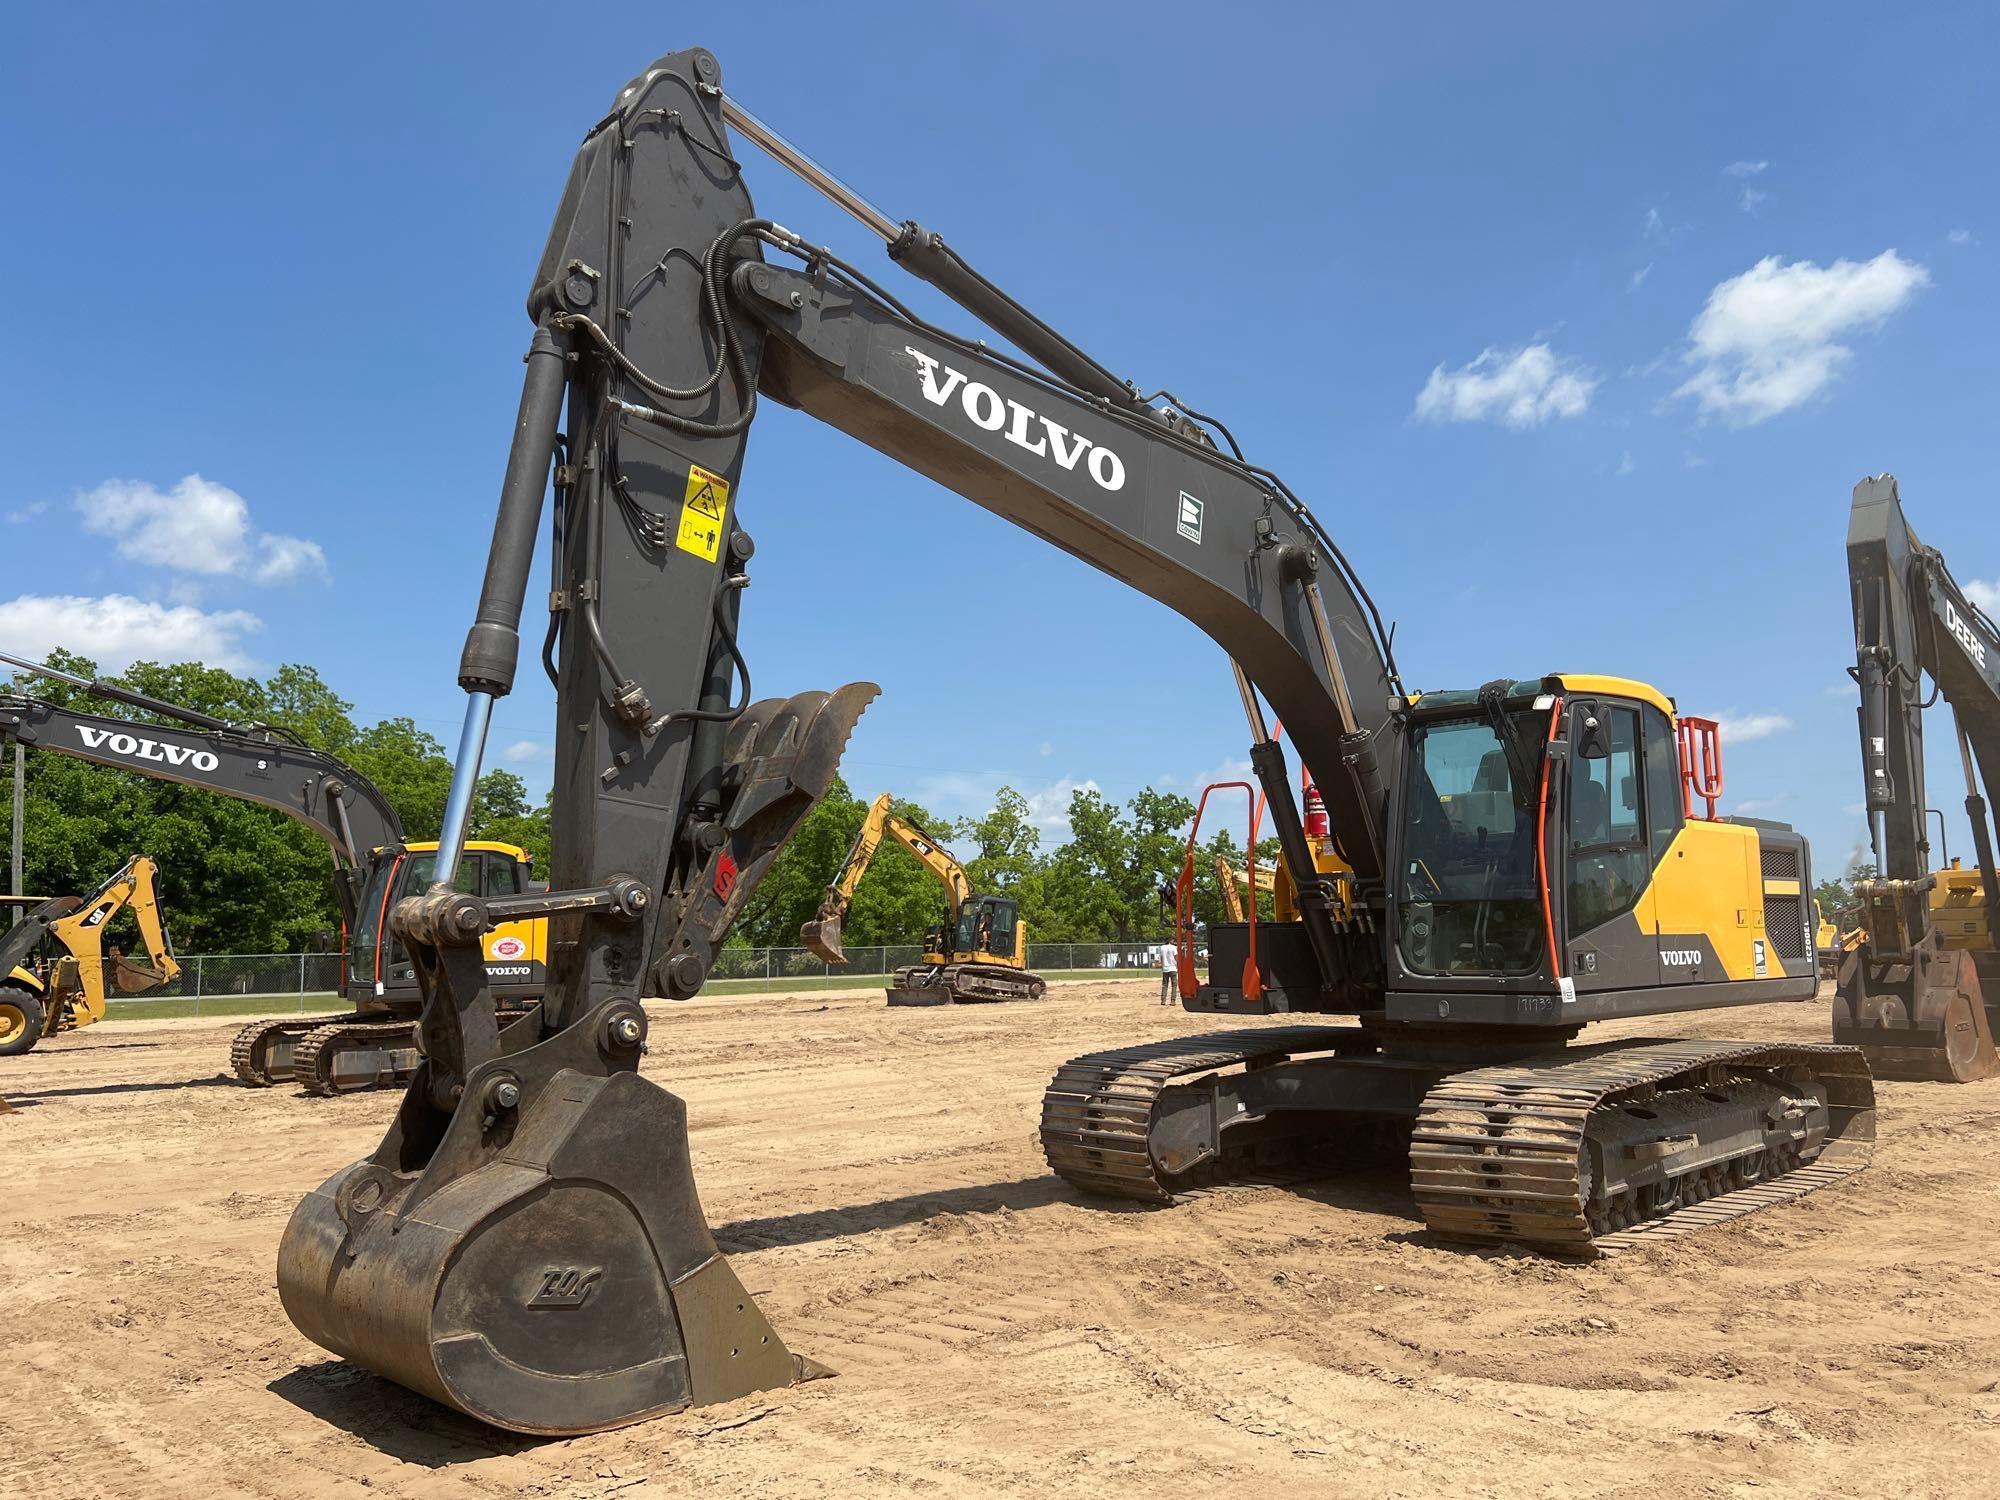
875, 1176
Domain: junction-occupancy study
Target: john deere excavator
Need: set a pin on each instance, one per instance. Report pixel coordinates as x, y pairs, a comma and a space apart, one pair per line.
527, 1245
980, 950
373, 865
1920, 992
55, 972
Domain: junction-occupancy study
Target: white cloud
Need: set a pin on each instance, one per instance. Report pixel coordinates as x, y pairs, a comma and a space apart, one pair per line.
1745, 168
1768, 340
526, 752
196, 527
1959, 237
1741, 728
26, 513
116, 630
1655, 227
1520, 390
1625, 464
1048, 807
1854, 809
1639, 277
1749, 198
1985, 595
1843, 689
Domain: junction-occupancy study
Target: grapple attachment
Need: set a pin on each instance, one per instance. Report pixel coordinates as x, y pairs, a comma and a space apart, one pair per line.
1920, 1021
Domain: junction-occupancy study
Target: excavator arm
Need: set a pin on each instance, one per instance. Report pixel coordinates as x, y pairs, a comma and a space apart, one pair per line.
81, 933
822, 934
253, 763
1918, 1008
526, 1243
79, 982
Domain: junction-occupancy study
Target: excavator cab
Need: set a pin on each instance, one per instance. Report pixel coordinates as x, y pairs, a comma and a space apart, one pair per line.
987, 931
516, 952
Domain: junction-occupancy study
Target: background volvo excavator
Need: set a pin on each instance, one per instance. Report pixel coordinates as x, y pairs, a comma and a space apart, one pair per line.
55, 972
526, 1243
980, 950
1920, 992
373, 866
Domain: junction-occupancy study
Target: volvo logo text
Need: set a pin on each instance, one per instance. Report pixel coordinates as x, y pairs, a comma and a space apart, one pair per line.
136, 747
1685, 958
1022, 426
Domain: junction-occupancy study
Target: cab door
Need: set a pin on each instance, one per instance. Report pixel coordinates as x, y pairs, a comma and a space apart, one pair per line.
1607, 854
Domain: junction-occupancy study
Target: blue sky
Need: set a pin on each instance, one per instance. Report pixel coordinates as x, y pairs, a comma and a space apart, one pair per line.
1576, 323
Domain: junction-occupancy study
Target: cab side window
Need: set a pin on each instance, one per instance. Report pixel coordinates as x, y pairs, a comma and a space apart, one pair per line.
1663, 782
1608, 863
503, 875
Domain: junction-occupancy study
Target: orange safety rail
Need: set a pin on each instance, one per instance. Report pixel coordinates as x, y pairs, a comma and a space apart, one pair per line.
1253, 977
1542, 844
1701, 764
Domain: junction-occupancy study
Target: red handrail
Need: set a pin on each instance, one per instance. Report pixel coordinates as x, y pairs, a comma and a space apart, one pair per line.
1701, 763
1253, 977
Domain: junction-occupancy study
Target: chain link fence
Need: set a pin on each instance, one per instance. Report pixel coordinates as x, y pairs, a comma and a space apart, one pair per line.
1044, 958
221, 983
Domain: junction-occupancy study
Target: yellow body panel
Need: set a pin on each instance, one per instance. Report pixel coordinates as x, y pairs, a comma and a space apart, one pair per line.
1958, 908
1710, 884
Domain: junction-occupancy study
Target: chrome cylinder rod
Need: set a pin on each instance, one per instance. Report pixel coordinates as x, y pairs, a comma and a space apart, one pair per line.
809, 171
464, 782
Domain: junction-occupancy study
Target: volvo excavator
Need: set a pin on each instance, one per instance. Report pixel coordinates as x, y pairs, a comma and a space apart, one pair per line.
978, 953
526, 1243
1920, 991
55, 973
373, 865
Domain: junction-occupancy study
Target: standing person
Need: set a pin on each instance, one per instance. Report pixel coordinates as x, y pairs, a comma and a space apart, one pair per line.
1170, 989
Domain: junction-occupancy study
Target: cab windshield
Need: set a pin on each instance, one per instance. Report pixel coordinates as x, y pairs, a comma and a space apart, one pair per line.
368, 921
1469, 900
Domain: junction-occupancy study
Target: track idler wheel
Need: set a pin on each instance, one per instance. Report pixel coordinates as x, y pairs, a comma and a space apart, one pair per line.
549, 1271
1917, 1022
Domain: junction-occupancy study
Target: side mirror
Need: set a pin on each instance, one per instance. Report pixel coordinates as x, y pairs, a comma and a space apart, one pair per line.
1590, 729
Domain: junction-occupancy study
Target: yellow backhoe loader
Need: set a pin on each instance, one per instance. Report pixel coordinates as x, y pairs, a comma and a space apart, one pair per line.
57, 973
978, 953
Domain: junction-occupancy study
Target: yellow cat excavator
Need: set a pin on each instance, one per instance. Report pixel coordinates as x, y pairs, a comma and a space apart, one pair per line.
979, 952
55, 973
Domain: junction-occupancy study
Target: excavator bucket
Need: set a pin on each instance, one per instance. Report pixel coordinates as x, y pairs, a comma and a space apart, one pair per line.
1913, 1031
130, 977
537, 1257
567, 1286
823, 938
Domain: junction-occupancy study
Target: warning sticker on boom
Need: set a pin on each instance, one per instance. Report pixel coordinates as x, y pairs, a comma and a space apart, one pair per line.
702, 512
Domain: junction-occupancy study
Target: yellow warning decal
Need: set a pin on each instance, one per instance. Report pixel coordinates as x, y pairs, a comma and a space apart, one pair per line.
702, 512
